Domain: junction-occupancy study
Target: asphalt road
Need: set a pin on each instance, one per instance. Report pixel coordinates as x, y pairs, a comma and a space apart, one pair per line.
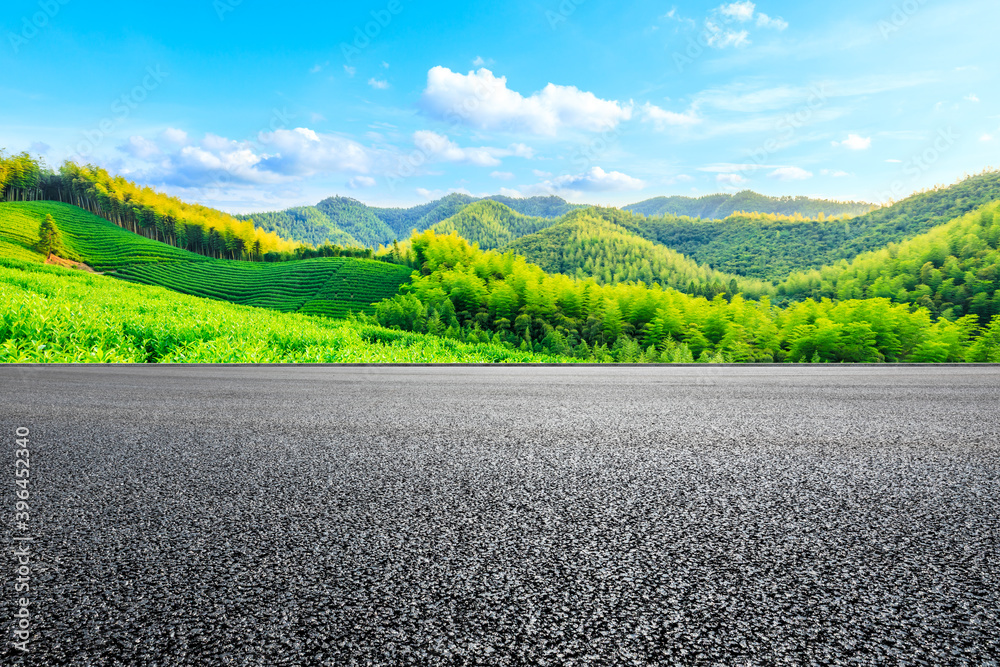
522, 516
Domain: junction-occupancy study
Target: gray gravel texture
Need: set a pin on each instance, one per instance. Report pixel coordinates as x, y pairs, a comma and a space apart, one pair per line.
508, 516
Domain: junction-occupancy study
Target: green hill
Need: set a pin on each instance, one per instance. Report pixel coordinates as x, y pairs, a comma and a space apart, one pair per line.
719, 206
53, 315
332, 286
306, 224
326, 286
346, 222
771, 249
597, 243
491, 224
86, 237
952, 270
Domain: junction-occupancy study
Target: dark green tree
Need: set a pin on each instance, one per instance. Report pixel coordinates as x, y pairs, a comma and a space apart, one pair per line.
49, 239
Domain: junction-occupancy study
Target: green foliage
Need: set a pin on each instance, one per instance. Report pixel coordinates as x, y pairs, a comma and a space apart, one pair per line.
348, 222
333, 287
306, 224
720, 206
49, 239
54, 315
771, 248
490, 224
952, 271
20, 177
84, 237
465, 293
595, 243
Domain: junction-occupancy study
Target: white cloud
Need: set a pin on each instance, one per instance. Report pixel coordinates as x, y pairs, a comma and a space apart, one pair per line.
986, 137
738, 11
140, 147
730, 179
541, 174
972, 98
481, 62
502, 175
765, 21
834, 174
511, 192
662, 119
440, 148
278, 157
855, 142
378, 84
316, 69
791, 174
351, 71
484, 101
891, 161
172, 135
723, 26
721, 38
593, 180
359, 182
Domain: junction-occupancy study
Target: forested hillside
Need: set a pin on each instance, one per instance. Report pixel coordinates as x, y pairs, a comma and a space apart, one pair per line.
306, 224
337, 220
770, 248
467, 294
952, 271
595, 243
720, 206
491, 224
139, 209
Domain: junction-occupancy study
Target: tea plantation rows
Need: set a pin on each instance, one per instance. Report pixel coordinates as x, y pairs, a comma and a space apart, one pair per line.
87, 238
332, 287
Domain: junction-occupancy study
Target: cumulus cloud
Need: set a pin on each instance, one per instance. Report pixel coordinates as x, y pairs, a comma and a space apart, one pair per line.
140, 147
730, 179
172, 135
593, 180
439, 148
855, 142
378, 84
281, 156
663, 119
791, 174
972, 98
738, 11
481, 100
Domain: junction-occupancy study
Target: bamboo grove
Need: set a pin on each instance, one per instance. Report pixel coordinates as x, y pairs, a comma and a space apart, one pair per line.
467, 294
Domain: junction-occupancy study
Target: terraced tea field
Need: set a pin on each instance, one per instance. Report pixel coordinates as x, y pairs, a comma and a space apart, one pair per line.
332, 286
90, 239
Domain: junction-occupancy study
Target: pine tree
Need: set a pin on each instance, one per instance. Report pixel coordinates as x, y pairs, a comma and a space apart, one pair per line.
49, 239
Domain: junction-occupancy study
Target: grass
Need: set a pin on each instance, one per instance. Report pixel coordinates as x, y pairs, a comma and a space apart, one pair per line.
50, 314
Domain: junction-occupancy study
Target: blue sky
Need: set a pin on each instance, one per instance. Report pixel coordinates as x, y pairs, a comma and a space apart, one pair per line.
244, 107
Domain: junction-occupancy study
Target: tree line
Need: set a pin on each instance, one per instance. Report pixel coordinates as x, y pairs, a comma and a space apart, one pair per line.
464, 293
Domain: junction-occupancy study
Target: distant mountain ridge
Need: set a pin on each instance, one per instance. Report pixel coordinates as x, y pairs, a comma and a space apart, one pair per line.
720, 206
345, 221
